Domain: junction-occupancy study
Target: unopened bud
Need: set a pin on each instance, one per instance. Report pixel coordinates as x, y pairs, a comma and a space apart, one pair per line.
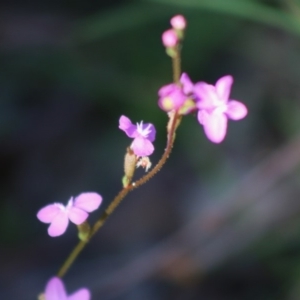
169, 38
129, 167
178, 22
84, 231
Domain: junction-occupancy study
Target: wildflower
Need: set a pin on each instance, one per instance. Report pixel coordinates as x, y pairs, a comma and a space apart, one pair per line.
169, 38
55, 290
171, 97
143, 135
177, 97
215, 107
178, 22
76, 211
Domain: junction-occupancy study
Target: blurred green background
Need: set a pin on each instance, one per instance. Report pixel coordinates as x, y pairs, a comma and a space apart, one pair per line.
219, 221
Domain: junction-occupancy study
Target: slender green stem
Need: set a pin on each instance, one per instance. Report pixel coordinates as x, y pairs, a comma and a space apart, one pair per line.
71, 258
176, 64
122, 194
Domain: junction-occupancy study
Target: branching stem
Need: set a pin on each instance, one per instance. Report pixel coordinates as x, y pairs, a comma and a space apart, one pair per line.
122, 194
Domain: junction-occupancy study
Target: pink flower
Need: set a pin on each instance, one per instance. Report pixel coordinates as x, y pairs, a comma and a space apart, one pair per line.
143, 135
169, 38
174, 97
215, 107
76, 211
55, 290
171, 97
178, 22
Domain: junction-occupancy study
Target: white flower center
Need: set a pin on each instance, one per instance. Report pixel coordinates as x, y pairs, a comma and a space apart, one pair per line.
143, 131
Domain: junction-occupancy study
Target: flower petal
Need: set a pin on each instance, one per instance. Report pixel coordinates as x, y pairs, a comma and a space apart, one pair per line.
152, 131
223, 87
173, 100
48, 213
206, 95
167, 89
142, 147
215, 125
126, 125
88, 201
55, 290
59, 224
202, 116
236, 110
77, 215
187, 84
82, 294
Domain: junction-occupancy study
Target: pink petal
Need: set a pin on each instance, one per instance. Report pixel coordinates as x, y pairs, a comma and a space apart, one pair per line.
186, 83
55, 290
59, 224
48, 213
88, 201
236, 110
77, 215
206, 95
126, 125
167, 89
142, 147
202, 116
223, 87
82, 294
152, 134
215, 125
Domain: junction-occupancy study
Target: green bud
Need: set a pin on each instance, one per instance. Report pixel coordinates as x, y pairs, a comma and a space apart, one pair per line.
130, 160
84, 231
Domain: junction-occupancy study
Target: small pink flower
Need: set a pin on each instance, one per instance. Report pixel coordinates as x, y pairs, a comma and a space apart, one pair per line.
143, 135
178, 22
169, 38
55, 290
215, 107
174, 97
76, 211
171, 97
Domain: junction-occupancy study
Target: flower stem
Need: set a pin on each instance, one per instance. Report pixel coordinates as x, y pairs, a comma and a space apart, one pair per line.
176, 65
122, 194
71, 258
117, 200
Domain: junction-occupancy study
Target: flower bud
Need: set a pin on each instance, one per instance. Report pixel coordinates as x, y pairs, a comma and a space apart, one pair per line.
84, 231
178, 22
129, 167
169, 38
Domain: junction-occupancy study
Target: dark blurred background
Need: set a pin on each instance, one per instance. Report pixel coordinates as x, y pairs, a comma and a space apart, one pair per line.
218, 222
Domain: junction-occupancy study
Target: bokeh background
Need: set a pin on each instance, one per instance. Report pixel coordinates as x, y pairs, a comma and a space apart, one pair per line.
219, 221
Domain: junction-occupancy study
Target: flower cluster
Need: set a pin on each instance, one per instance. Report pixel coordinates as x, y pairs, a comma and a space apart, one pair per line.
211, 101
76, 211
175, 97
172, 37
